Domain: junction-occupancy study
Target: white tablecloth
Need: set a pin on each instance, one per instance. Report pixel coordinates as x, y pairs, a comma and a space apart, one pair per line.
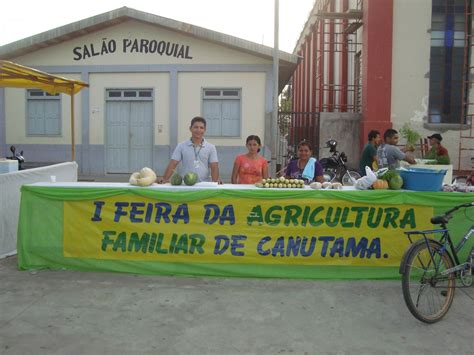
166, 187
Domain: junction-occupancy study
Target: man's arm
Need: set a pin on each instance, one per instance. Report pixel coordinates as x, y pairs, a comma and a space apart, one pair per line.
214, 171
169, 171
409, 159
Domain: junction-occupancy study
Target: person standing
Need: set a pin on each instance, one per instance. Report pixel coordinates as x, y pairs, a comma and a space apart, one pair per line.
195, 155
369, 153
250, 168
388, 154
437, 151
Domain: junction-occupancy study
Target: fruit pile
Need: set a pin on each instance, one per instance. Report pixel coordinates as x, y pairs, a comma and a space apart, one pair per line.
390, 180
189, 179
281, 183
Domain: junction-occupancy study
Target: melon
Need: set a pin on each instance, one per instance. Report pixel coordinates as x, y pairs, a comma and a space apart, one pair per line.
190, 179
176, 179
395, 182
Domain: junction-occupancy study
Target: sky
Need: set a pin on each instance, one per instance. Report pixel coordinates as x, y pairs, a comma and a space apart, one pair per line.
248, 19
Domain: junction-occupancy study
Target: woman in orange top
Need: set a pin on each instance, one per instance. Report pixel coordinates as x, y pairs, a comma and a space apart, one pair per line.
250, 168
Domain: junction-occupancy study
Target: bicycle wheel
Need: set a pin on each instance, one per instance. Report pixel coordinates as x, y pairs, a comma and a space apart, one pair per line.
428, 295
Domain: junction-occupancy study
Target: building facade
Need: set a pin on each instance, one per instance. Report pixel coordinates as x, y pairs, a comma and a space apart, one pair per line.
395, 62
148, 77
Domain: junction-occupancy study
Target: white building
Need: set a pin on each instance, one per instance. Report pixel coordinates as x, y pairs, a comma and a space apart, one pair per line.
149, 76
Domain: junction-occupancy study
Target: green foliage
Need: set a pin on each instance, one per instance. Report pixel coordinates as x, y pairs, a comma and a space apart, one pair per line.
409, 134
389, 174
440, 159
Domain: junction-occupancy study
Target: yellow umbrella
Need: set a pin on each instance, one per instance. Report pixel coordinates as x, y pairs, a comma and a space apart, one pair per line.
19, 76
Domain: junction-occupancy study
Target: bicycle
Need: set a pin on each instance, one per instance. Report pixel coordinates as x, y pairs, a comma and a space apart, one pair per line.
430, 268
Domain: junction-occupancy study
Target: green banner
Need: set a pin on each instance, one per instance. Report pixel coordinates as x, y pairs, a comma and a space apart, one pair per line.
221, 232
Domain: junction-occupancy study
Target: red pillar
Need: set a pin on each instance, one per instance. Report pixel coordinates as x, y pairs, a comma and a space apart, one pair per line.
344, 62
321, 66
331, 60
376, 67
313, 65
307, 60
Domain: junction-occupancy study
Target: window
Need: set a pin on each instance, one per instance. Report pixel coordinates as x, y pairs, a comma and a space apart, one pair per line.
43, 114
129, 95
221, 109
448, 68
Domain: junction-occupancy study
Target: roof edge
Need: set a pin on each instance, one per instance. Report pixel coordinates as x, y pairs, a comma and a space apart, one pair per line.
110, 18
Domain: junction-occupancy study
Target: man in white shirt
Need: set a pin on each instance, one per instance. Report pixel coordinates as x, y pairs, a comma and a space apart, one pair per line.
195, 155
388, 154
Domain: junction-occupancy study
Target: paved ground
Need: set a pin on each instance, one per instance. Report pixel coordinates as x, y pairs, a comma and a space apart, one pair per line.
69, 312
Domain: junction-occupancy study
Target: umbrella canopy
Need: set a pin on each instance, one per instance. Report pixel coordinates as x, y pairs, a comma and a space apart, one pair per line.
14, 75
18, 76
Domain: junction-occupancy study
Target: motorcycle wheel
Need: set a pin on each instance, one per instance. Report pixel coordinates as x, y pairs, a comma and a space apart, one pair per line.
350, 178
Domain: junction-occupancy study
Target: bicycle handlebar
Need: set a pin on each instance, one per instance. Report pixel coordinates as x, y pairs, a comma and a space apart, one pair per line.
444, 218
469, 204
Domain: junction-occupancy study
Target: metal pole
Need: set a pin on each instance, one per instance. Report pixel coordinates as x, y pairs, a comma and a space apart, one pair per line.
275, 89
73, 142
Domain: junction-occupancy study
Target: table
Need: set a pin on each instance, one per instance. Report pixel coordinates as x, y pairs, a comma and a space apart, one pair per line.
230, 230
7, 166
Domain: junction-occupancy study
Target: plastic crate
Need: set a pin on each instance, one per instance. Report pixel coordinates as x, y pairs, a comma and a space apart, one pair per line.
419, 179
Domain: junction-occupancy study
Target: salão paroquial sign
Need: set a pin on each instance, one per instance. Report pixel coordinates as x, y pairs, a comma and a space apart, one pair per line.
127, 45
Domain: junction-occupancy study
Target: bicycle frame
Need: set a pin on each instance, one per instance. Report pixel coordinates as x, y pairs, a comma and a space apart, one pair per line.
445, 241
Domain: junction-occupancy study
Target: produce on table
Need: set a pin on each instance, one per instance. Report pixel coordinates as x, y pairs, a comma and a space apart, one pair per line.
316, 185
176, 179
327, 185
281, 183
190, 179
395, 181
380, 184
145, 177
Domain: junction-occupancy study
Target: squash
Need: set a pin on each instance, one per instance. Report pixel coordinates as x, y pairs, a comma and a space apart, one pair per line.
380, 184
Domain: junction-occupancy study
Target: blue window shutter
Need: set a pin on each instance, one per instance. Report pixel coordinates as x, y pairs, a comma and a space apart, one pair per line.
231, 118
35, 122
212, 112
52, 117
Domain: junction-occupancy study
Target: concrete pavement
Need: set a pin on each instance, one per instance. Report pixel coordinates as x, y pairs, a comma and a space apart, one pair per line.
70, 312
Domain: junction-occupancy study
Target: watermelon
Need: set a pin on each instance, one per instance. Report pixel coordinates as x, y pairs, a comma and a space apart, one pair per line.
176, 179
190, 179
389, 174
395, 182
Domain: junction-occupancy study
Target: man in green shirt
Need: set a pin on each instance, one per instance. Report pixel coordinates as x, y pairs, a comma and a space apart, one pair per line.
369, 154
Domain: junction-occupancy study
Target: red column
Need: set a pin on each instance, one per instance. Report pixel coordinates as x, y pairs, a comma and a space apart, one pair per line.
344, 61
331, 60
313, 64
301, 81
376, 67
321, 66
307, 60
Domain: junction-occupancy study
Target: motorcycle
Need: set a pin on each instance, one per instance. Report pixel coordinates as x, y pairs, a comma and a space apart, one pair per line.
334, 167
17, 156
